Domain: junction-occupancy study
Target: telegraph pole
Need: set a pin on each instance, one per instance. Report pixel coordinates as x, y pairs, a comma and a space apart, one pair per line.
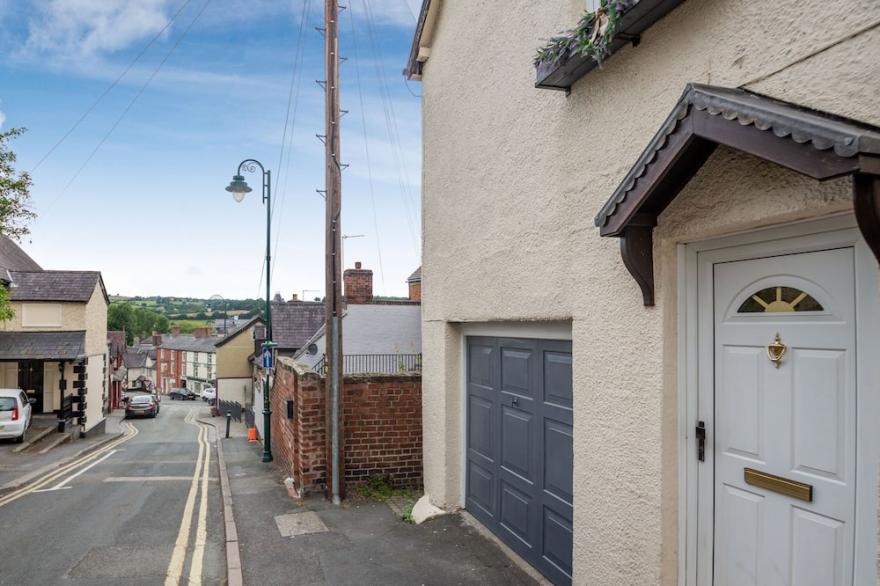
333, 299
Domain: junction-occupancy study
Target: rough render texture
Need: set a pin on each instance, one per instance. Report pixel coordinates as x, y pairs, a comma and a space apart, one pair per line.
508, 231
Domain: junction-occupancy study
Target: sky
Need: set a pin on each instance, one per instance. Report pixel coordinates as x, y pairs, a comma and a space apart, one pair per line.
135, 187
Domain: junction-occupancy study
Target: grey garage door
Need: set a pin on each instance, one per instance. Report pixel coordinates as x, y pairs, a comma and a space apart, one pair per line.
519, 447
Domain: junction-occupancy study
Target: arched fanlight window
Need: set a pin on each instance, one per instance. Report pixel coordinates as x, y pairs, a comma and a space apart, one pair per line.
779, 300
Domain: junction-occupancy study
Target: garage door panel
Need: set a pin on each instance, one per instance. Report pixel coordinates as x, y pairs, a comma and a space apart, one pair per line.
516, 371
517, 512
481, 427
558, 541
479, 368
517, 442
558, 460
481, 489
557, 378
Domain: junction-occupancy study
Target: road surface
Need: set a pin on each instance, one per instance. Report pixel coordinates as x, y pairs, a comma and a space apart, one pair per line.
144, 509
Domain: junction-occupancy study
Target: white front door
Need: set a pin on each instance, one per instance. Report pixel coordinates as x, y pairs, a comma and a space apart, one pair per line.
784, 451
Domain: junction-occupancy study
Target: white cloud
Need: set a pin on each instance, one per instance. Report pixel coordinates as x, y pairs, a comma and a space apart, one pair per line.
2, 118
79, 28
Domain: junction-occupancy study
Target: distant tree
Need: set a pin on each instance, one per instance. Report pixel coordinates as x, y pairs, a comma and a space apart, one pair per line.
162, 324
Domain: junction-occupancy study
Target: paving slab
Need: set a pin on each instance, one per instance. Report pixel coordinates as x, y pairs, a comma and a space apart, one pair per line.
364, 542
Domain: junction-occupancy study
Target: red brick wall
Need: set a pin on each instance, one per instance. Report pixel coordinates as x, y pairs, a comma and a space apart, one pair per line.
382, 428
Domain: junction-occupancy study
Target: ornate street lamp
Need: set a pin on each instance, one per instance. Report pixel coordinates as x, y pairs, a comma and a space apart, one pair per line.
239, 188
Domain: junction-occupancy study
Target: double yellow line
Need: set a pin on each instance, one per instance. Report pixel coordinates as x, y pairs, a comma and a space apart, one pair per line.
131, 431
200, 477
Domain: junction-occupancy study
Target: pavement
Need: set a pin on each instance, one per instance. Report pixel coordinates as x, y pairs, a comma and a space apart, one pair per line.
284, 540
19, 463
137, 510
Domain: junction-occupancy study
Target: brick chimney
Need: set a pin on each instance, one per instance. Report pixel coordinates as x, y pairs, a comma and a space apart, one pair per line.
293, 297
175, 330
202, 332
358, 285
157, 338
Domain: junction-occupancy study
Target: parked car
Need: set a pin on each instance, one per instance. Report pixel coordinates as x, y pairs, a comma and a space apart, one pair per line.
209, 394
141, 405
15, 414
181, 395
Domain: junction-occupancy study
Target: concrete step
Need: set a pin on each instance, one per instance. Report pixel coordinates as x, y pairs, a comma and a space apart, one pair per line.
56, 441
33, 435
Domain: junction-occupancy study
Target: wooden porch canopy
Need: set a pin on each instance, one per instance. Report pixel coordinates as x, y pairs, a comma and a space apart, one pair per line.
816, 144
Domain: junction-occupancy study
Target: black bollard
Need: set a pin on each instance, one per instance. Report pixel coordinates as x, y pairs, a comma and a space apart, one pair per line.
228, 420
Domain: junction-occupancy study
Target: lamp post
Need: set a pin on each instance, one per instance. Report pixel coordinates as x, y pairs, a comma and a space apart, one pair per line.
238, 187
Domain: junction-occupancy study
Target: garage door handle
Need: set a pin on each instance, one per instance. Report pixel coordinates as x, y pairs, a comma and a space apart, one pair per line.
514, 401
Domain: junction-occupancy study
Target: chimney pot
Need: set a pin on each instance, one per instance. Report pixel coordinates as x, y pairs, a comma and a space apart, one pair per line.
357, 264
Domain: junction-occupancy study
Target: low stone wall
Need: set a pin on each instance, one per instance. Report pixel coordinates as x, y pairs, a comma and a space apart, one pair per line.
382, 426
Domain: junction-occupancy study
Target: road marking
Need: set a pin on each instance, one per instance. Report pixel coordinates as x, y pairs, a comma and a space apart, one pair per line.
50, 477
178, 555
60, 485
145, 478
195, 569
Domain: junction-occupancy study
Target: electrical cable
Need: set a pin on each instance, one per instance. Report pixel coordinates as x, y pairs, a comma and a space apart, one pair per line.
130, 104
111, 86
284, 169
393, 131
357, 69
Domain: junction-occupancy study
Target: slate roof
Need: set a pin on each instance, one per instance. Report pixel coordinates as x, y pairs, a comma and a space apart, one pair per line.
13, 258
190, 343
54, 285
133, 359
295, 322
41, 345
116, 342
416, 277
242, 326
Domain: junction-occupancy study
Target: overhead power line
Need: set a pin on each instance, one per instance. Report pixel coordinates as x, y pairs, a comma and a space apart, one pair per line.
357, 70
131, 102
111, 86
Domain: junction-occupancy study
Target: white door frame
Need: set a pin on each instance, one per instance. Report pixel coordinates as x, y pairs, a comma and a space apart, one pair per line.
831, 232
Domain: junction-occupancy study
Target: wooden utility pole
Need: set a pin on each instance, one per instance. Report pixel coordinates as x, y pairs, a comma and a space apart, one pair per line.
333, 301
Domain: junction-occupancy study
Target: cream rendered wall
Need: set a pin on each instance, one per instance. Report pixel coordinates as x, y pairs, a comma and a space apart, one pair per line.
73, 317
96, 350
232, 357
512, 178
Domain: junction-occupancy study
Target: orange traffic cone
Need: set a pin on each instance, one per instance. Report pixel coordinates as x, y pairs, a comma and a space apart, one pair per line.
252, 434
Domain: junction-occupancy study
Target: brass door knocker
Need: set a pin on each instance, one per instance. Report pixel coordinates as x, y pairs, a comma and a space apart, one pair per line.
776, 350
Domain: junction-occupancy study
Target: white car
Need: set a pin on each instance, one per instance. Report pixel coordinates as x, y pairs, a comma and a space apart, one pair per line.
209, 394
15, 414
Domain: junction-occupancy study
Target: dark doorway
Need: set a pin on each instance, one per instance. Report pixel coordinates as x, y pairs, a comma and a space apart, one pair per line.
30, 380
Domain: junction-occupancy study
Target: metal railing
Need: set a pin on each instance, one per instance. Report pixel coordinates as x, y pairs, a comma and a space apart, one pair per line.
375, 363
233, 407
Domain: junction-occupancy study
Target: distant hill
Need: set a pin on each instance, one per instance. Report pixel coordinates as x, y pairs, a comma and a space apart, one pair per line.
193, 308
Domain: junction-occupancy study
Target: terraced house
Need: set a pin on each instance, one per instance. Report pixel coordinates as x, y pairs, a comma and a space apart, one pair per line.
55, 347
651, 297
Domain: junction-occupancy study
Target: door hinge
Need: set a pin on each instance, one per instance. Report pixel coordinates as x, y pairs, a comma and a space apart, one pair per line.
701, 441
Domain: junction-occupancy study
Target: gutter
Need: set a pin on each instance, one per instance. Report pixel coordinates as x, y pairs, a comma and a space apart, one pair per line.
420, 50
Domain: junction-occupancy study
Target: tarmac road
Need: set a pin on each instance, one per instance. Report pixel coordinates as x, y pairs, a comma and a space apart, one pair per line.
143, 509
